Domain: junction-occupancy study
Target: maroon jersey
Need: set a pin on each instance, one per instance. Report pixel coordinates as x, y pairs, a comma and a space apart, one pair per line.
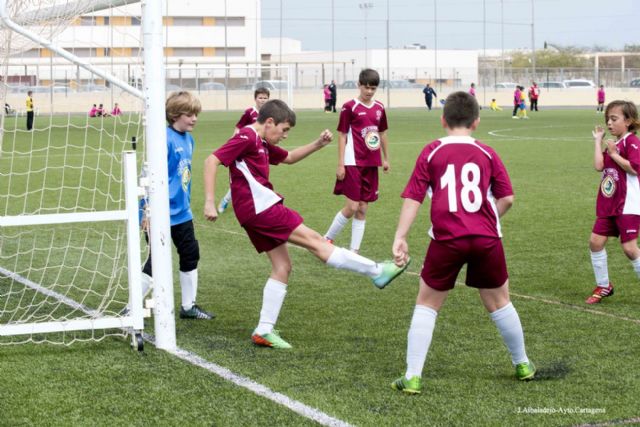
463, 177
362, 124
249, 117
620, 191
248, 158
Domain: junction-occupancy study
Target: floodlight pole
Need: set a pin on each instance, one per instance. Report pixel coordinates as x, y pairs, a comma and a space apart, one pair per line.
533, 43
365, 8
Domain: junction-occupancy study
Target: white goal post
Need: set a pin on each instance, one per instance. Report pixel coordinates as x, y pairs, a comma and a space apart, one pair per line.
80, 315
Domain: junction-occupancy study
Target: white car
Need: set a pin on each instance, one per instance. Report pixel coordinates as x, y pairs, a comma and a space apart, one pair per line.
272, 84
506, 85
579, 84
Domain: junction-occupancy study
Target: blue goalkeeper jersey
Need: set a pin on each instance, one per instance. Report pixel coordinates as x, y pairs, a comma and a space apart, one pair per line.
179, 156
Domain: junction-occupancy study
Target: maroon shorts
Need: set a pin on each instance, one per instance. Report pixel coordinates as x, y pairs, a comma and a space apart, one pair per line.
484, 256
271, 228
360, 183
625, 226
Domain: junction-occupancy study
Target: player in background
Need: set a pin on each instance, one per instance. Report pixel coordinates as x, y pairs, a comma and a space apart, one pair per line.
472, 90
600, 97
362, 135
182, 109
522, 108
618, 202
516, 102
470, 190
250, 115
30, 110
534, 94
267, 221
494, 105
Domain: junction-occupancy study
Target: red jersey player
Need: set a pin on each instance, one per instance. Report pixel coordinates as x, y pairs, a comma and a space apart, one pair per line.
363, 133
250, 115
267, 221
618, 202
470, 190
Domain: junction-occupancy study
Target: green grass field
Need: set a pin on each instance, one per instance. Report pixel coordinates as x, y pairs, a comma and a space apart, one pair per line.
349, 338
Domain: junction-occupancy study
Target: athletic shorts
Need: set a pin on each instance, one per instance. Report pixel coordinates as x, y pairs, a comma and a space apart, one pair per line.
625, 226
271, 228
484, 256
360, 183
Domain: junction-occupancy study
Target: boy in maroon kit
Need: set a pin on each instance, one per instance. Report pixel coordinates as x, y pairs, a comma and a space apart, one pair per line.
470, 190
363, 132
268, 223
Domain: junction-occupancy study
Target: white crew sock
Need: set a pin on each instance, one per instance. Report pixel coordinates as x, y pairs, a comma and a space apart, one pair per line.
636, 266
346, 260
339, 221
600, 269
419, 339
357, 233
272, 299
508, 323
189, 288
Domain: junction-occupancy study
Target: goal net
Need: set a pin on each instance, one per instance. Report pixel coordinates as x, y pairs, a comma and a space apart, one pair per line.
69, 238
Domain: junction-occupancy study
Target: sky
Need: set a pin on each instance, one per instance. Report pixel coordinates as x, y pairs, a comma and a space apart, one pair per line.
461, 24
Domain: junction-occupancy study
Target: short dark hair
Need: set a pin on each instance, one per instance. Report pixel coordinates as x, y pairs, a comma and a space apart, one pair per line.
279, 111
460, 109
628, 109
261, 91
369, 77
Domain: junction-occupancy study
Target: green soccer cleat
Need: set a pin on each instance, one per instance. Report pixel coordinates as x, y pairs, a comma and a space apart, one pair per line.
412, 386
525, 371
272, 340
196, 312
389, 272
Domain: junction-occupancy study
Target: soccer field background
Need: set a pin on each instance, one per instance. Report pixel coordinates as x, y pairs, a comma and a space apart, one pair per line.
349, 338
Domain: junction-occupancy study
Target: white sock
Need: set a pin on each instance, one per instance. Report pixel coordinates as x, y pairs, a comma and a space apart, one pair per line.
336, 226
600, 269
346, 260
272, 299
227, 197
419, 339
189, 288
636, 266
357, 233
508, 323
147, 284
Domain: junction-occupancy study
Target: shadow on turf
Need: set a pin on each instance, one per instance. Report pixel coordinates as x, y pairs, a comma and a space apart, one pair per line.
554, 371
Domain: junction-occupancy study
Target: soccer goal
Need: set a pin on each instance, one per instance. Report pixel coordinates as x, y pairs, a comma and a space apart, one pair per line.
70, 253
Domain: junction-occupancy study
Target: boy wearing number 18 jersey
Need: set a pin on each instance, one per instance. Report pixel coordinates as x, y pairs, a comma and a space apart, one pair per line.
470, 190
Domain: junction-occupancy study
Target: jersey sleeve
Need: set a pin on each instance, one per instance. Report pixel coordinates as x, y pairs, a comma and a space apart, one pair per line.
501, 183
383, 126
633, 153
276, 154
418, 184
234, 148
245, 119
345, 119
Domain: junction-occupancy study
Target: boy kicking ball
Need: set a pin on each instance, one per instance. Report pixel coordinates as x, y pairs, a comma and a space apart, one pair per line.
268, 222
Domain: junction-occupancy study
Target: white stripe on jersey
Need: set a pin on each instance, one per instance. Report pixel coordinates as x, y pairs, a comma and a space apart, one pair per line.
263, 198
349, 150
632, 199
457, 140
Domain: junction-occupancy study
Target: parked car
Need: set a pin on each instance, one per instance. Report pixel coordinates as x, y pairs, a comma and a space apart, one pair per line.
91, 87
272, 84
172, 88
579, 84
349, 84
634, 83
212, 86
506, 85
552, 85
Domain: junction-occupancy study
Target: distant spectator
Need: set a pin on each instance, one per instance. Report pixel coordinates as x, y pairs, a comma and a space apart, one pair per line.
429, 93
93, 112
100, 111
334, 95
8, 109
534, 93
601, 96
116, 110
327, 99
472, 90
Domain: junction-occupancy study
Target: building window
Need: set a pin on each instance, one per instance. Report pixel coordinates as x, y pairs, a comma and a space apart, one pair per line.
231, 51
187, 21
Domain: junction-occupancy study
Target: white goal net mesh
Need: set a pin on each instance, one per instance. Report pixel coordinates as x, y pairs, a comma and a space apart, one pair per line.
70, 162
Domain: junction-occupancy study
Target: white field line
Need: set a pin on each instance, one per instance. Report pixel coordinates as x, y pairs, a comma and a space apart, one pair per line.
523, 296
192, 358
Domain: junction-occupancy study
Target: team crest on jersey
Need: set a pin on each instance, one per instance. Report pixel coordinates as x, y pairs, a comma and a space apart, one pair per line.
372, 139
186, 179
608, 186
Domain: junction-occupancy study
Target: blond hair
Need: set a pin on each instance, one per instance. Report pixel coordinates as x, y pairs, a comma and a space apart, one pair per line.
179, 103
